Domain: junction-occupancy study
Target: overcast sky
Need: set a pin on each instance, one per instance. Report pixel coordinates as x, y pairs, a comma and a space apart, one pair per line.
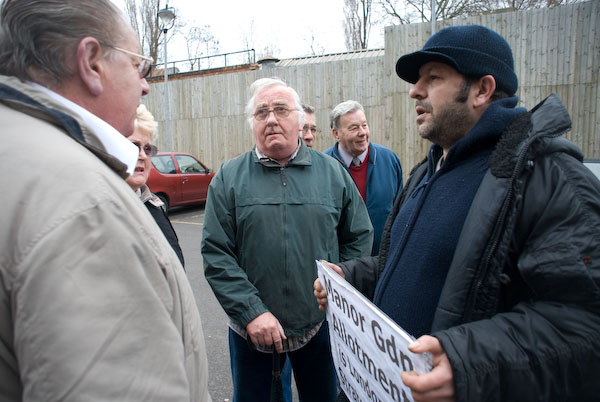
285, 26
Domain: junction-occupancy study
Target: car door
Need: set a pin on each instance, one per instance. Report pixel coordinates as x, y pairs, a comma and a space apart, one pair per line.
164, 178
195, 178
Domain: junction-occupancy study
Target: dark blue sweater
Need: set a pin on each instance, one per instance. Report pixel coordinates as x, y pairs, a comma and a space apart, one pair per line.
426, 229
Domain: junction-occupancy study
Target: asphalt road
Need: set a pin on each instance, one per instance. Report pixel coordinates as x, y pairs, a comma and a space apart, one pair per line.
187, 222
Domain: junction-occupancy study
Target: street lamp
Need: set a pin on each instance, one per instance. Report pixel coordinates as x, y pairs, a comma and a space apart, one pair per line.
432, 17
167, 19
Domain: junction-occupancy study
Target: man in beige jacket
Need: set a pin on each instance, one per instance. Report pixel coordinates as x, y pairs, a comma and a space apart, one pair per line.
94, 304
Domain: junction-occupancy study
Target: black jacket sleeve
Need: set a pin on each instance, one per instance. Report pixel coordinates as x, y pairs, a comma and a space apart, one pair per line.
545, 347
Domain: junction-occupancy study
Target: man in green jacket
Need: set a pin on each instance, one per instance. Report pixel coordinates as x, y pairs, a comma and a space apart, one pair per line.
270, 214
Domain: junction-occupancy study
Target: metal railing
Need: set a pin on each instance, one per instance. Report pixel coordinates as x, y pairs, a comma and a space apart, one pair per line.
208, 62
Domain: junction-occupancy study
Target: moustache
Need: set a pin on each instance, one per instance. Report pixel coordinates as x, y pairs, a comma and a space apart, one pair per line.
425, 105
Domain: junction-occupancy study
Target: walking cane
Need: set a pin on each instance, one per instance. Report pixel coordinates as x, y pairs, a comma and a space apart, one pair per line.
276, 387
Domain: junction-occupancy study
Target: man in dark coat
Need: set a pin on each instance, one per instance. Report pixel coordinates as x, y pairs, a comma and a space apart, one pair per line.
490, 254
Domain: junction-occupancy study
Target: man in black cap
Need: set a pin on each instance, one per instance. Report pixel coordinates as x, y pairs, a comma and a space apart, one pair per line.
492, 246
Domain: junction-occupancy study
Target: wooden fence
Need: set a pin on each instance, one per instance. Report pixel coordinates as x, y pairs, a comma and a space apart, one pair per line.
555, 50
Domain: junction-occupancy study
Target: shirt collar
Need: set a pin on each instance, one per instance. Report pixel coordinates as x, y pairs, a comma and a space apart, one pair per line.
347, 158
114, 142
264, 157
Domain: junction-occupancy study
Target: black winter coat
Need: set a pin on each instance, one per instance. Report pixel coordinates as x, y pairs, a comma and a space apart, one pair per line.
519, 314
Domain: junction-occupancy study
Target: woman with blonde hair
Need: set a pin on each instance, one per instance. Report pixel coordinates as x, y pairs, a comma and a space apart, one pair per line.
143, 135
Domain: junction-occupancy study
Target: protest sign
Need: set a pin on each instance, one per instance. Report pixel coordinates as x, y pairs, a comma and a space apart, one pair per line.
369, 350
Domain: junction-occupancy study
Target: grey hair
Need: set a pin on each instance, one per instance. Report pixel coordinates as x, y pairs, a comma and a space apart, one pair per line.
342, 109
308, 109
38, 38
262, 83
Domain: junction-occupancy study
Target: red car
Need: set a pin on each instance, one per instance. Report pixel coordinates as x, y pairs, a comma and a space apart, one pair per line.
179, 179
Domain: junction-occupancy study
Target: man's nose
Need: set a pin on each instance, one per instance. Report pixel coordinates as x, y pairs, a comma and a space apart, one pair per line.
271, 119
416, 91
145, 87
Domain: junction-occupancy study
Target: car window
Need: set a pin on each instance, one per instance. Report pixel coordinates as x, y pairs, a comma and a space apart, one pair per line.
164, 164
188, 164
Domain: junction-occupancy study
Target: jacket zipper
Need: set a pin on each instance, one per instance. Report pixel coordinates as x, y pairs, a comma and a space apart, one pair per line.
483, 269
283, 176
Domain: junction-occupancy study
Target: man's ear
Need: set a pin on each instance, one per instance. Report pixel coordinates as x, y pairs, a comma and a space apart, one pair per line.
90, 64
335, 134
486, 86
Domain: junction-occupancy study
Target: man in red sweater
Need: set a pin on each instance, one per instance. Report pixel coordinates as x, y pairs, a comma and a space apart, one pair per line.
376, 170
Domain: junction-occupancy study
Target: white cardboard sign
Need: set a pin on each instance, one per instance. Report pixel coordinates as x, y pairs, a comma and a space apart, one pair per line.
369, 350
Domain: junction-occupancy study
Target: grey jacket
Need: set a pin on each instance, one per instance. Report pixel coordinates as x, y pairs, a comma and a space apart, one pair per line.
94, 304
519, 314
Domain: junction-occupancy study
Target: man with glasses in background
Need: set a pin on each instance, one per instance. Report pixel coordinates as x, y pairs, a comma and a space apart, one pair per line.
94, 304
270, 214
309, 129
376, 170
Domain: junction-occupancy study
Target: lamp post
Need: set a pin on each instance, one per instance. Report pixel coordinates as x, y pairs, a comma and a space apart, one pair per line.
432, 17
167, 19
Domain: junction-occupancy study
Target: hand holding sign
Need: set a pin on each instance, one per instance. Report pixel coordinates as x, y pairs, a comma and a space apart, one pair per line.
437, 385
319, 290
369, 350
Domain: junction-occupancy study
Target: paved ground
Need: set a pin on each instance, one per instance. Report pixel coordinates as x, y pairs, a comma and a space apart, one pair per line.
188, 225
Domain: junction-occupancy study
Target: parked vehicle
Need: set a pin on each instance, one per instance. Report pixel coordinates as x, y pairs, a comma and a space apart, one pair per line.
593, 165
179, 179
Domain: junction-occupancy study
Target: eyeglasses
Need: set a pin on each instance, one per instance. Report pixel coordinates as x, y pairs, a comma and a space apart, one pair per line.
280, 112
313, 130
145, 66
149, 150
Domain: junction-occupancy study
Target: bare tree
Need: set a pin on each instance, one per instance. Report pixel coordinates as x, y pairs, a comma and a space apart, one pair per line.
248, 39
268, 50
144, 20
264, 49
528, 4
315, 48
357, 25
397, 13
200, 41
143, 16
409, 11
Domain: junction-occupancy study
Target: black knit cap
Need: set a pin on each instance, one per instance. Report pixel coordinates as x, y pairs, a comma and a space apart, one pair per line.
472, 50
